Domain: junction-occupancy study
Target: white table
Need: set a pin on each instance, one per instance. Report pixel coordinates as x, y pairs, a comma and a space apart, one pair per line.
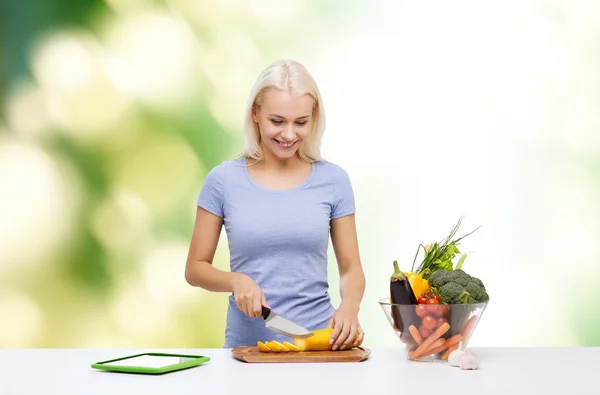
503, 371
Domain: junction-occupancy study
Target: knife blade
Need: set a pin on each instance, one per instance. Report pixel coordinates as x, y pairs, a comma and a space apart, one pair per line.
282, 325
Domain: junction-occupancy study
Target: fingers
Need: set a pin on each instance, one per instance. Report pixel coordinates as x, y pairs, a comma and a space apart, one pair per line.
346, 333
348, 343
249, 305
256, 306
264, 301
337, 328
343, 330
361, 335
241, 304
249, 298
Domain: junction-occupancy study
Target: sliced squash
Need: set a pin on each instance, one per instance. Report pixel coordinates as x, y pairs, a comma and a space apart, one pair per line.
291, 347
275, 345
263, 347
319, 341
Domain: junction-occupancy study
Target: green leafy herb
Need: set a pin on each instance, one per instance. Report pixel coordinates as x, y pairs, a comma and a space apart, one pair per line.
440, 255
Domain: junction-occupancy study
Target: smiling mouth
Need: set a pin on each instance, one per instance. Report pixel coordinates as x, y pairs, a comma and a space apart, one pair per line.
286, 145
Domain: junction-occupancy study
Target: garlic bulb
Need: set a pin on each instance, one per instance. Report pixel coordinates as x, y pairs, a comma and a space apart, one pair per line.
454, 357
469, 361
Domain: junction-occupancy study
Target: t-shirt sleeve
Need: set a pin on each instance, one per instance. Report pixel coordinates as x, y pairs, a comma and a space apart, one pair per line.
343, 195
211, 196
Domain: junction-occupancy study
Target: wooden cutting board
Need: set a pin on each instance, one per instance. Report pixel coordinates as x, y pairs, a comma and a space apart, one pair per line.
252, 354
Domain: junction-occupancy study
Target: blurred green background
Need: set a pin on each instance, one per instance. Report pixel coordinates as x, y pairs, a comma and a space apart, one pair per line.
114, 111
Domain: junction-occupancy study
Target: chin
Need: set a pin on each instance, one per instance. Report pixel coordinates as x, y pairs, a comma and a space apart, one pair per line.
284, 155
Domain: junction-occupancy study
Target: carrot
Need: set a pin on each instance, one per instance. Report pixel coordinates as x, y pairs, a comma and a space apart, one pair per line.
415, 334
468, 328
449, 342
433, 337
449, 350
436, 344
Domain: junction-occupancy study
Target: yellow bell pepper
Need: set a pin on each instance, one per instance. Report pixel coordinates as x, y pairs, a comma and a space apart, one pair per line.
417, 283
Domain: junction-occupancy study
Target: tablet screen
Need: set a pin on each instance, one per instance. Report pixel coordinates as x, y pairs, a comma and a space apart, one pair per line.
150, 361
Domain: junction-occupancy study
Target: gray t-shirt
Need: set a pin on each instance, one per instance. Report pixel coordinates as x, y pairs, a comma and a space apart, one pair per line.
280, 239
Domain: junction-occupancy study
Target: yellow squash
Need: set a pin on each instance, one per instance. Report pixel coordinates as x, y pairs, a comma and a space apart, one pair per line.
291, 347
319, 341
276, 346
263, 347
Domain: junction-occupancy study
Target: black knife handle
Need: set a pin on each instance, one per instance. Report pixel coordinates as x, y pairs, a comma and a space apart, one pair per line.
265, 312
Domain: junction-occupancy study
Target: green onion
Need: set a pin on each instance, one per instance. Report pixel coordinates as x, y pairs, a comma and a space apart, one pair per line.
439, 255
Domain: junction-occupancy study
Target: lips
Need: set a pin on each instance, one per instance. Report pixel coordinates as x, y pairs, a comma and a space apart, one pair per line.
285, 145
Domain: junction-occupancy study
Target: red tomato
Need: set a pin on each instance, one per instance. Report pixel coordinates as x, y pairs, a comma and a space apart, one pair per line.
421, 310
444, 309
433, 307
440, 322
434, 310
424, 332
428, 322
422, 300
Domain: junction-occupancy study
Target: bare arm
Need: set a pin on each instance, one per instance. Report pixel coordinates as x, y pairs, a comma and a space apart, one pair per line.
345, 244
199, 271
352, 284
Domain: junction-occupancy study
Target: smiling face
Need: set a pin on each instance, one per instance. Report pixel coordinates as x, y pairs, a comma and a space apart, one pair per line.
285, 122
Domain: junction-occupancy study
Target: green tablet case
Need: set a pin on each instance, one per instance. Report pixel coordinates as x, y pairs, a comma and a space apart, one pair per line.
151, 363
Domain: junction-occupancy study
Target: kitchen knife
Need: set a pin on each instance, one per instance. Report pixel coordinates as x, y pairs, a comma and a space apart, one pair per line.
281, 325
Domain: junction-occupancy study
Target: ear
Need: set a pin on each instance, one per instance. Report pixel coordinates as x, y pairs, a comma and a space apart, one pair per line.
255, 113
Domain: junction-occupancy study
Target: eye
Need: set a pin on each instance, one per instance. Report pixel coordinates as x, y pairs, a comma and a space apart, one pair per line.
301, 123
276, 121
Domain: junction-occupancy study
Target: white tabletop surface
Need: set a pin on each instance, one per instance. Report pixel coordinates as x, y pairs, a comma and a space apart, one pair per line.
503, 371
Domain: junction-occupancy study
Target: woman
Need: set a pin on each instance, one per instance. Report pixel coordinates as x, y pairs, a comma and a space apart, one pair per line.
279, 202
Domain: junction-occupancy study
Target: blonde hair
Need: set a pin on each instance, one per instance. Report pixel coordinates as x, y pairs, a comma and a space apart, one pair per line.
290, 76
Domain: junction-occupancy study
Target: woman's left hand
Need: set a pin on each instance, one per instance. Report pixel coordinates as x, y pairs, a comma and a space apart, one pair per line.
345, 327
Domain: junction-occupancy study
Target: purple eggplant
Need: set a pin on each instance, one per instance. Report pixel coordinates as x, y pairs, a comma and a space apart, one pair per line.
401, 293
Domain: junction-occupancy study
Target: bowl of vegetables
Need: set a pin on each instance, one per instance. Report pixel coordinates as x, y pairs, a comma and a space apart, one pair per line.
436, 308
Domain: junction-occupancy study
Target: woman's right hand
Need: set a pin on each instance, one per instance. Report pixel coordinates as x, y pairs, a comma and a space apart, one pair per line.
248, 295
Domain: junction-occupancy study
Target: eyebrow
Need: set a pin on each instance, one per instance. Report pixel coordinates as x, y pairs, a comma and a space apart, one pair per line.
280, 117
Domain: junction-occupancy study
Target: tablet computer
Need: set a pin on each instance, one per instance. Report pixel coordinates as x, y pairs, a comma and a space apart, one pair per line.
151, 363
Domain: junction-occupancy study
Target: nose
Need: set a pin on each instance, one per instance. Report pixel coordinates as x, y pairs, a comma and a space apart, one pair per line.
288, 132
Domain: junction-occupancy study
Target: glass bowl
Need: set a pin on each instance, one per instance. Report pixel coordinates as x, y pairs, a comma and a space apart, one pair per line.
419, 326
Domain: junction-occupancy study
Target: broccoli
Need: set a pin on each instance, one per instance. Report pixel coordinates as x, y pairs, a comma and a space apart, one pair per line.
458, 287
439, 278
450, 292
478, 282
476, 292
